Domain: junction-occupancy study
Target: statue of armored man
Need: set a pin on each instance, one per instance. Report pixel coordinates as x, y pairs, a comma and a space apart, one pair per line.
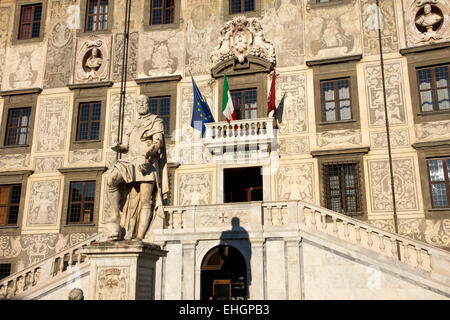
138, 183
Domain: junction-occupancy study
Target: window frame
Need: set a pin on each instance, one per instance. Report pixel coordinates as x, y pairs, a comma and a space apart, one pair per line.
83, 19
422, 57
10, 269
434, 88
81, 174
243, 109
17, 21
18, 128
18, 99
158, 111
228, 15
31, 23
336, 99
332, 69
83, 94
98, 14
242, 9
81, 219
446, 181
164, 11
147, 13
10, 204
89, 121
15, 178
342, 186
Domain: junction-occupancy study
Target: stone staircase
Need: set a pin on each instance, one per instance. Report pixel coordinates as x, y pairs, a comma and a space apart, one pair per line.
426, 265
60, 265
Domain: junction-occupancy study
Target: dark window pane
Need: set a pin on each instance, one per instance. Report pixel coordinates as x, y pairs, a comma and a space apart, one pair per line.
95, 128
249, 5
13, 215
84, 128
77, 189
442, 77
75, 213
96, 110
5, 270
235, 6
37, 13
15, 194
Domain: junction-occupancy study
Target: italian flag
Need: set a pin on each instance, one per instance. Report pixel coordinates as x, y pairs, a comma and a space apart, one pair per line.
227, 102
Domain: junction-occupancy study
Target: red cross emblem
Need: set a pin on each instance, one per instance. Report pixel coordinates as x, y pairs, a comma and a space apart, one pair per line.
222, 217
111, 283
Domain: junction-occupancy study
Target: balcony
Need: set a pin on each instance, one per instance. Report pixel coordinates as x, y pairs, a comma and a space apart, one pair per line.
247, 134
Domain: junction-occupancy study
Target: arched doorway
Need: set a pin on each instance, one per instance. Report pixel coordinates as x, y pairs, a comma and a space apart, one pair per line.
223, 274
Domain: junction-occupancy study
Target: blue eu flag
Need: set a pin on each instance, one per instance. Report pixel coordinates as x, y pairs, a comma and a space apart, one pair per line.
201, 113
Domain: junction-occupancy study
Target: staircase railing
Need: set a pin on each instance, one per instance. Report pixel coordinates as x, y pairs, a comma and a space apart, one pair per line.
45, 270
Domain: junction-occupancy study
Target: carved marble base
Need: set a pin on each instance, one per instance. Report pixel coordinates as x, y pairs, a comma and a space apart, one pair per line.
122, 270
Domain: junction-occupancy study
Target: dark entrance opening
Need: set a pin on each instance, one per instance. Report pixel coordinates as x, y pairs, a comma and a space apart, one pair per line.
243, 184
223, 275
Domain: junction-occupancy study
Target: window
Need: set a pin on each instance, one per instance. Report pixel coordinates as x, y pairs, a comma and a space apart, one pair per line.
336, 101
434, 88
244, 102
9, 204
81, 202
161, 107
30, 21
238, 6
243, 184
162, 12
342, 193
18, 126
5, 270
97, 15
439, 176
89, 121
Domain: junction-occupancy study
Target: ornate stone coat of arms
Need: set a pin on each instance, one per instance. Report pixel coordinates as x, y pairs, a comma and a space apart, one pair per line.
243, 37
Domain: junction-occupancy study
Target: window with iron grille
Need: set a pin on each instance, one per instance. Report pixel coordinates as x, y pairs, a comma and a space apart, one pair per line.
439, 177
245, 104
96, 15
342, 188
30, 21
89, 121
239, 6
18, 126
162, 12
161, 107
434, 88
9, 204
81, 202
336, 99
5, 270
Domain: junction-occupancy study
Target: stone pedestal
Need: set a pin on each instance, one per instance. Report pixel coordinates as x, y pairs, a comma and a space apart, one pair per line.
122, 270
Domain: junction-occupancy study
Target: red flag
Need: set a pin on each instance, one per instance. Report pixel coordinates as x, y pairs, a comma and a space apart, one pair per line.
271, 98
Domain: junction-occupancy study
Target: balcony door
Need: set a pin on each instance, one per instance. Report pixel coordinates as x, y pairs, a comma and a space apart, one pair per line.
243, 184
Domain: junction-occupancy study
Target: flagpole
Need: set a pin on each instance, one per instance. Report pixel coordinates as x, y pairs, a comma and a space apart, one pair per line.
388, 137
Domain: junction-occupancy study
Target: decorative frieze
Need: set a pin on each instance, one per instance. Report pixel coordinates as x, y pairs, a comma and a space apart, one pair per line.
25, 67
195, 189
294, 117
52, 125
47, 164
294, 146
14, 161
394, 94
283, 25
436, 130
399, 139
117, 56
405, 185
296, 182
201, 27
388, 17
43, 205
59, 60
332, 31
88, 156
341, 138
5, 14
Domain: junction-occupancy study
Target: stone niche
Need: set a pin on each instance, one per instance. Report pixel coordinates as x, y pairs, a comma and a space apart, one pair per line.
427, 21
92, 62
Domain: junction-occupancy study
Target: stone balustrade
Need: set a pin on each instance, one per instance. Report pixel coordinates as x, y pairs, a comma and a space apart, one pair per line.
45, 270
240, 132
301, 216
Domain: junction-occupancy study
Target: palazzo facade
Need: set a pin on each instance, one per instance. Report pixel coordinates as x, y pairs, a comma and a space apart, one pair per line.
294, 206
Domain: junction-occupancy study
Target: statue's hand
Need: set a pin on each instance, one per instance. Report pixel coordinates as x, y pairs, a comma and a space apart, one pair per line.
117, 147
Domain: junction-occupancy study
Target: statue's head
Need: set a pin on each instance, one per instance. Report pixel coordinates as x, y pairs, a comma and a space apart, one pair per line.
143, 105
76, 294
427, 8
95, 52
